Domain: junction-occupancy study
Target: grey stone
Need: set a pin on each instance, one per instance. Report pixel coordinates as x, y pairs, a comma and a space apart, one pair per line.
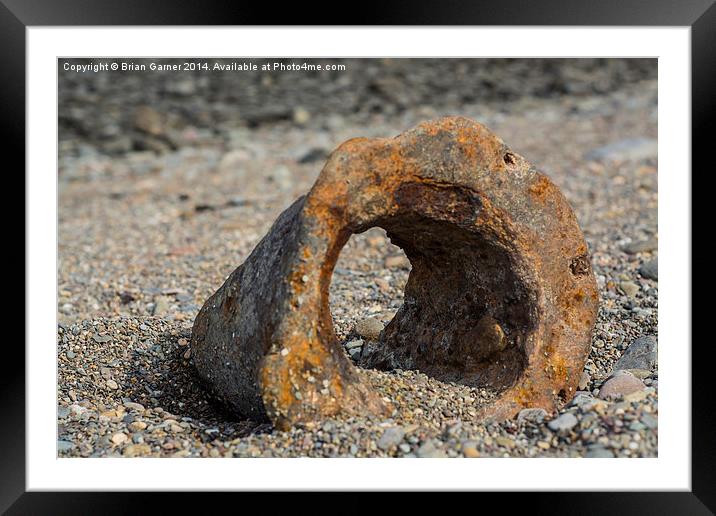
428, 451
650, 269
70, 354
532, 415
565, 422
641, 354
649, 421
581, 398
63, 412
642, 246
64, 446
391, 437
357, 343
599, 452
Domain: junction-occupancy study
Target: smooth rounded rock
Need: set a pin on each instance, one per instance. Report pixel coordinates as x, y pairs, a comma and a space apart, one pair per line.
619, 385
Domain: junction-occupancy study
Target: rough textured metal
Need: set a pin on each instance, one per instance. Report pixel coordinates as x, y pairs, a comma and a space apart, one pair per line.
501, 291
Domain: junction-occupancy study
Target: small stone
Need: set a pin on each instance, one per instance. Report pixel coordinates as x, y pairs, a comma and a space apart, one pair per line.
650, 269
101, 339
136, 450
111, 384
391, 437
428, 451
581, 398
64, 446
565, 422
649, 421
369, 328
134, 406
637, 395
354, 353
629, 288
532, 415
405, 448
641, 354
643, 246
620, 384
63, 412
119, 438
469, 450
599, 452
357, 343
505, 442
137, 426
70, 354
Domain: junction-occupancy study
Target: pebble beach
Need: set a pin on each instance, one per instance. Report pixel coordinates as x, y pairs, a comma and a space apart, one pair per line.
165, 187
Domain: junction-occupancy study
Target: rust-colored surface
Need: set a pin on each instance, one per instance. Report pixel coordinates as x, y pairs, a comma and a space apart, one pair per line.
501, 291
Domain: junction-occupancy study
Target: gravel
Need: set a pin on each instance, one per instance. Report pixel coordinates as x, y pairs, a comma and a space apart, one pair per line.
145, 236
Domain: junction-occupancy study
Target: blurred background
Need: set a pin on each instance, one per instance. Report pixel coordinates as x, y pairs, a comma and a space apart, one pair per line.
119, 112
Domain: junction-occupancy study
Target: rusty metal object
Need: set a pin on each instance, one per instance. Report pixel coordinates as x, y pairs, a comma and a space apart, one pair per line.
501, 291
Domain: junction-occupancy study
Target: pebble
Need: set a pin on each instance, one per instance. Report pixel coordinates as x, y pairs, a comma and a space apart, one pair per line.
629, 288
428, 451
369, 328
650, 269
119, 438
111, 384
137, 426
566, 421
65, 446
599, 452
391, 437
620, 384
357, 343
469, 449
532, 415
642, 246
640, 354
649, 421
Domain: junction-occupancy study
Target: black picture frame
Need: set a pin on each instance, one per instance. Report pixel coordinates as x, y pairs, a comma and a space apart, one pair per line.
17, 15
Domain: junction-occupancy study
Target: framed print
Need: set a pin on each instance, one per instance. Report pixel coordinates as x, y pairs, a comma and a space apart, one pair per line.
397, 246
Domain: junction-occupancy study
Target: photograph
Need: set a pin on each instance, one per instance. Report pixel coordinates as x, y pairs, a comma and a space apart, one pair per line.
283, 257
